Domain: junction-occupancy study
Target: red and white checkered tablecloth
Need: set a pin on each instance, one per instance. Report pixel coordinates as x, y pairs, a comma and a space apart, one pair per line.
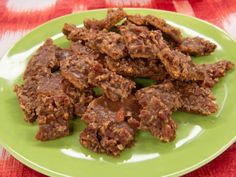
17, 17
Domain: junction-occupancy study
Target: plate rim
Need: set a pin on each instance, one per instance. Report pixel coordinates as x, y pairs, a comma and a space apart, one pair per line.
47, 171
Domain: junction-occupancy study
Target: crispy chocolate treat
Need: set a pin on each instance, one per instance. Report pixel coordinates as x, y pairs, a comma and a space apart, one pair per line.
136, 19
197, 46
109, 43
165, 88
180, 66
75, 34
40, 65
142, 43
79, 49
26, 95
57, 102
42, 62
81, 99
112, 18
217, 70
115, 87
39, 69
172, 35
111, 125
137, 68
54, 108
86, 52
156, 117
68, 28
196, 99
161, 24
76, 70
158, 102
213, 72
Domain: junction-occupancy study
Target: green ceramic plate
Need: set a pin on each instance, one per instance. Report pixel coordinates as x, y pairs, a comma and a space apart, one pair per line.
199, 139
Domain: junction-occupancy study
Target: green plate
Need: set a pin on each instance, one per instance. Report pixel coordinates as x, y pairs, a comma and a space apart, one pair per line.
199, 139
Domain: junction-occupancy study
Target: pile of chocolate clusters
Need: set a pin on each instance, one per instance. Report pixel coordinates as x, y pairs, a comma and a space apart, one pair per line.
59, 83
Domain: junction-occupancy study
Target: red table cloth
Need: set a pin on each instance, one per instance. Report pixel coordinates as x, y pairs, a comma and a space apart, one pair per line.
18, 17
